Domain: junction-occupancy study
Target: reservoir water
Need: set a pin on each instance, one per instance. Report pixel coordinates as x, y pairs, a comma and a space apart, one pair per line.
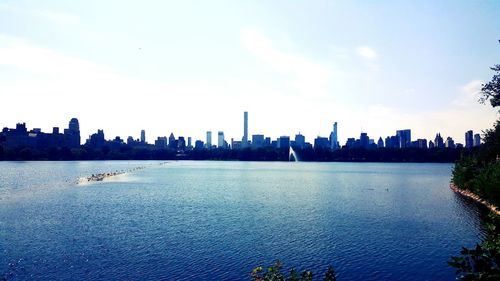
207, 220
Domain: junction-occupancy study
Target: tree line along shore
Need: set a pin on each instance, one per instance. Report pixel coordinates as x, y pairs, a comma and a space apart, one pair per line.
433, 155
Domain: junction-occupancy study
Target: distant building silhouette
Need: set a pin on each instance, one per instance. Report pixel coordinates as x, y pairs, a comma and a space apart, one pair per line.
469, 139
209, 140
431, 144
404, 137
96, 140
477, 140
181, 143
350, 143
143, 136
220, 140
421, 143
72, 134
334, 144
244, 140
380, 143
198, 145
450, 143
438, 141
321, 143
172, 142
300, 141
364, 140
257, 141
161, 143
284, 142
235, 144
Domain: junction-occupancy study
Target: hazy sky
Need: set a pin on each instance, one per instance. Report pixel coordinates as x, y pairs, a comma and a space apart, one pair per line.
191, 66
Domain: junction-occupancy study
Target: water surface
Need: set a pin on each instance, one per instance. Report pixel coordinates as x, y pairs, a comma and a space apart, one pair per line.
217, 220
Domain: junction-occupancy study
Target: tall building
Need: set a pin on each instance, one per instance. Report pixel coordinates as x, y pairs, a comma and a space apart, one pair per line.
244, 140
364, 140
190, 145
284, 142
404, 137
160, 142
172, 142
321, 143
469, 139
96, 140
477, 140
300, 141
422, 143
450, 143
198, 145
334, 144
257, 141
72, 134
209, 139
350, 143
143, 136
380, 143
181, 143
220, 139
431, 144
438, 141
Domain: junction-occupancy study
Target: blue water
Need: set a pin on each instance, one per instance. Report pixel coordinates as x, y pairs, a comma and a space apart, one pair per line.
217, 220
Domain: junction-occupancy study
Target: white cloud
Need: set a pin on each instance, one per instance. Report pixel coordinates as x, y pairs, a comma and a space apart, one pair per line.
306, 76
461, 114
367, 52
68, 86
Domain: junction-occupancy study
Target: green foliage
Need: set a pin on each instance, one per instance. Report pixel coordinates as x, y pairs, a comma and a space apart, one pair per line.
274, 273
480, 173
491, 90
483, 261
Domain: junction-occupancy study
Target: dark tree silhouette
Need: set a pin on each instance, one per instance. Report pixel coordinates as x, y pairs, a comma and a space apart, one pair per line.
491, 90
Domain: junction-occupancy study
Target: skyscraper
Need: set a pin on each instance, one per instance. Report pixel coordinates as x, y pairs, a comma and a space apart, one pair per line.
143, 136
300, 140
380, 143
364, 140
220, 139
334, 144
404, 137
438, 141
477, 140
449, 143
284, 143
72, 134
172, 142
257, 141
244, 140
209, 139
469, 142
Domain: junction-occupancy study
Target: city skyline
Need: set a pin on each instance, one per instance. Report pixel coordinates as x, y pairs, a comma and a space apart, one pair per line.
189, 68
21, 136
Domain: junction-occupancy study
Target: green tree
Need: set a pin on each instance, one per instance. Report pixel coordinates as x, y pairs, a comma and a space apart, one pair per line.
491, 90
480, 173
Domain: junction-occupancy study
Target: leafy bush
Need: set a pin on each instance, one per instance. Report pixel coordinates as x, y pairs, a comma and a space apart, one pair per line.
483, 261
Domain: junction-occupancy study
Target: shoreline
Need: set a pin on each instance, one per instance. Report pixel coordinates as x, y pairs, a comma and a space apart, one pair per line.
476, 198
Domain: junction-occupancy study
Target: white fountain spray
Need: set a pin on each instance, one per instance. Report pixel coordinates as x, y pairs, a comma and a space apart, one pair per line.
293, 154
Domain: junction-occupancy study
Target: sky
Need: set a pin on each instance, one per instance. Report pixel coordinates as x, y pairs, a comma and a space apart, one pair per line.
189, 67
